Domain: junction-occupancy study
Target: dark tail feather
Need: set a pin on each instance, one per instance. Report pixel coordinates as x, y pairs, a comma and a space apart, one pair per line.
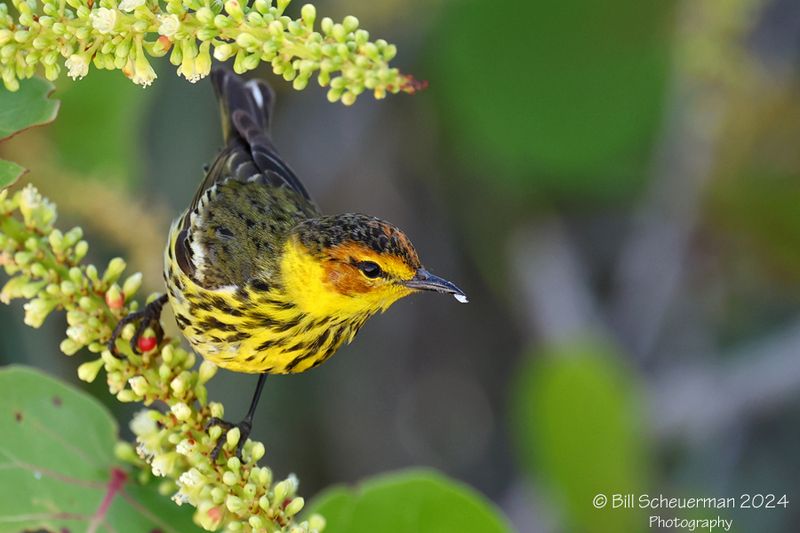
246, 111
243, 104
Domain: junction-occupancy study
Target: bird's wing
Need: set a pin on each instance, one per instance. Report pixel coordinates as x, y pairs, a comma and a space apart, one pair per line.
249, 199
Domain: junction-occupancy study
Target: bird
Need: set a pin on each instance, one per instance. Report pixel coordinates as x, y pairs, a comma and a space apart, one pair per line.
259, 279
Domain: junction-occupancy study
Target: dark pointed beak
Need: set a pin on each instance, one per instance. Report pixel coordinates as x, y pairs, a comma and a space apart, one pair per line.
425, 281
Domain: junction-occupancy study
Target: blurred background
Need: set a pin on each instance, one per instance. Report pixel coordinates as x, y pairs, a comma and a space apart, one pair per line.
616, 185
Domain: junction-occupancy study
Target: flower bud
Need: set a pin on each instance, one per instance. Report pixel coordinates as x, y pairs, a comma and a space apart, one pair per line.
230, 478
223, 52
257, 451
338, 32
127, 395
36, 312
205, 15
316, 522
257, 523
181, 411
209, 516
349, 98
308, 13
69, 346
218, 495
263, 502
115, 268
56, 239
233, 9
130, 5
215, 432
139, 385
281, 490
350, 23
115, 300
216, 409
206, 372
326, 25
249, 491
88, 371
13, 289
72, 237
233, 436
234, 504
294, 507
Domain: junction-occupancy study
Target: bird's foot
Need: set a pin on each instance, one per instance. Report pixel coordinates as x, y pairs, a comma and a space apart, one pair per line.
150, 316
245, 426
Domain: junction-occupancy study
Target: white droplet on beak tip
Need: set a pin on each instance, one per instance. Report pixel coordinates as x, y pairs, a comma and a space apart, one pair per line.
461, 298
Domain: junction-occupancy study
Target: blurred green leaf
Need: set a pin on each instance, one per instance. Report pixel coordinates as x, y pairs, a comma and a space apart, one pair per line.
576, 414
98, 129
27, 107
414, 501
559, 95
57, 457
9, 172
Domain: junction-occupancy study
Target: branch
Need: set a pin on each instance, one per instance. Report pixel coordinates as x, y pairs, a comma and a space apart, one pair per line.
46, 269
122, 36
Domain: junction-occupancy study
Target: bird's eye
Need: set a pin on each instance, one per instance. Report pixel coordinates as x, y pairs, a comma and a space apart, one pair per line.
370, 269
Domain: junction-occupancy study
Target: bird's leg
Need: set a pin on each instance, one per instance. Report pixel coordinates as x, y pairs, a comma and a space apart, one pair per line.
245, 426
149, 316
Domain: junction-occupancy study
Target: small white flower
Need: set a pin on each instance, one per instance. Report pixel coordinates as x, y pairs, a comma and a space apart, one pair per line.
139, 385
185, 447
130, 5
143, 73
163, 464
103, 19
169, 25
180, 498
77, 66
188, 71
181, 411
143, 424
79, 333
143, 451
191, 478
36, 312
223, 51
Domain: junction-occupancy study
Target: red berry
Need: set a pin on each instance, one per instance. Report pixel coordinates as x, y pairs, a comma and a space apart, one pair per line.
145, 344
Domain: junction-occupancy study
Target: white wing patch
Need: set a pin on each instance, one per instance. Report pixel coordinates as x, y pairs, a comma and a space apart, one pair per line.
256, 91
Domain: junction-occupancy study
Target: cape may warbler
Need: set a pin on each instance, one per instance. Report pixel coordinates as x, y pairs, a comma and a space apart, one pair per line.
259, 279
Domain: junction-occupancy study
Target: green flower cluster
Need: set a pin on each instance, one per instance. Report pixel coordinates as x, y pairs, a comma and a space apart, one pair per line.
123, 35
45, 266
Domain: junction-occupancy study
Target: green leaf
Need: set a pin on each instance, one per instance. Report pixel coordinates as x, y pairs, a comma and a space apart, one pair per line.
415, 501
9, 173
27, 107
562, 96
577, 421
56, 463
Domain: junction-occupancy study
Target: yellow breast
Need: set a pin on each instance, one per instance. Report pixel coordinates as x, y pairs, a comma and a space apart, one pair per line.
286, 329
